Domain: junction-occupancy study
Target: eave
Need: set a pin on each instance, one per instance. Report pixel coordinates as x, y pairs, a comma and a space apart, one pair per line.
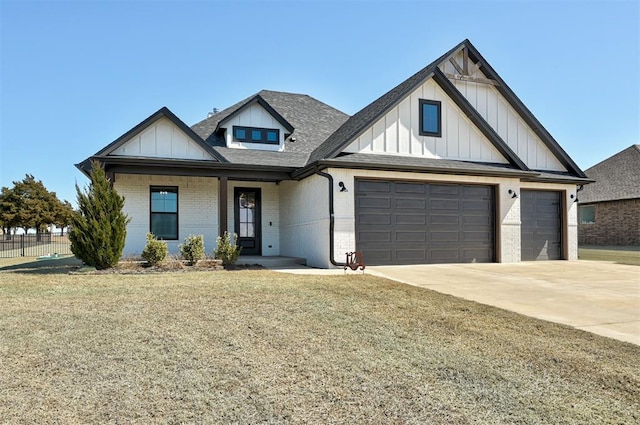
198, 168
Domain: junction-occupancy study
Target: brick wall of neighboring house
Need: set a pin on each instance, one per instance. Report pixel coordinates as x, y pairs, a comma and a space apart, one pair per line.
617, 223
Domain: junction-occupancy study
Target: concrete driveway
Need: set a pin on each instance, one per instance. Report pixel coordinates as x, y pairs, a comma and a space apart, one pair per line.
595, 296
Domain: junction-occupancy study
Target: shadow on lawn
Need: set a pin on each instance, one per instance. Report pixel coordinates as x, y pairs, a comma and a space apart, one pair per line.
61, 265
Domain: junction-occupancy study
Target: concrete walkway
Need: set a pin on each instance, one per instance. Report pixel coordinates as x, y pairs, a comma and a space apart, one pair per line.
596, 296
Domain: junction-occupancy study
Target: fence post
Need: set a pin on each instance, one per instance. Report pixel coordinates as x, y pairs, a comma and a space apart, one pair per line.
22, 244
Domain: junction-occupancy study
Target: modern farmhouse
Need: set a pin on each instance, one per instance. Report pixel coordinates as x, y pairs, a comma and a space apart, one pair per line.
447, 167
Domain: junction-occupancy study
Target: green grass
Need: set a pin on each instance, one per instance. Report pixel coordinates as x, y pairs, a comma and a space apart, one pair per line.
265, 347
624, 255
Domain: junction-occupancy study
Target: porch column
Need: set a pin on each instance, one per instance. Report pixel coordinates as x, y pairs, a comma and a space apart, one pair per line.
222, 204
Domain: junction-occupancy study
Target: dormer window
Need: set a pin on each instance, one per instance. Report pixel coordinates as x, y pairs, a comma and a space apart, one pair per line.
269, 136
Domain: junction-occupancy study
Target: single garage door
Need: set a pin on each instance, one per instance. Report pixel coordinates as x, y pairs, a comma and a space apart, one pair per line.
405, 222
541, 221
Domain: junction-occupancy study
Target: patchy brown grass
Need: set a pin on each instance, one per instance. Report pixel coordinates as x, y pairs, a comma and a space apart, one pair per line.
264, 347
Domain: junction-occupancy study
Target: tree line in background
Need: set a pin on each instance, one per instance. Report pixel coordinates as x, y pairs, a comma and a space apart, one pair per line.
30, 205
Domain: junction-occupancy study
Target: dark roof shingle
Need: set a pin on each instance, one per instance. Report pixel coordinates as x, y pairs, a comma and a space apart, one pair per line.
616, 178
313, 122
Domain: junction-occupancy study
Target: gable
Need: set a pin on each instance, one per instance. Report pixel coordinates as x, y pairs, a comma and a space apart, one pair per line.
254, 116
497, 112
161, 139
398, 132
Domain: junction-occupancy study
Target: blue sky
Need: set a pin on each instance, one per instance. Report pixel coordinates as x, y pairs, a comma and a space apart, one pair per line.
75, 75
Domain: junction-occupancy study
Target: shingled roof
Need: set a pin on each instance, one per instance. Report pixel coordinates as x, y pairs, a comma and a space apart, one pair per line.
312, 120
616, 178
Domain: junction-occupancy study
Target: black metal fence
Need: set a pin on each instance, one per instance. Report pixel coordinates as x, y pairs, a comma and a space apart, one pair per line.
34, 245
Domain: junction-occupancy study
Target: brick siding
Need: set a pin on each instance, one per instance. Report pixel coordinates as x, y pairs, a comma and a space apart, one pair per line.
617, 224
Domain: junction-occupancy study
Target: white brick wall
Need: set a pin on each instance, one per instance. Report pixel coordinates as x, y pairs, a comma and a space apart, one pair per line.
304, 215
295, 215
197, 209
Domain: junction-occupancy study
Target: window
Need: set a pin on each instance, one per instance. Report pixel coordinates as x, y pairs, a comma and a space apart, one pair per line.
587, 214
164, 212
268, 136
430, 118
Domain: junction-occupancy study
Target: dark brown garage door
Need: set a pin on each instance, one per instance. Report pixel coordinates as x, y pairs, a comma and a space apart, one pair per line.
401, 222
541, 221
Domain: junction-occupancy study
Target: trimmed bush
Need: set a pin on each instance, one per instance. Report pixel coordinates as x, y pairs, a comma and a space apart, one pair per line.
98, 227
225, 250
155, 251
193, 249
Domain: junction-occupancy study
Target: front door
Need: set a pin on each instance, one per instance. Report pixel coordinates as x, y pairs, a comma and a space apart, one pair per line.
247, 208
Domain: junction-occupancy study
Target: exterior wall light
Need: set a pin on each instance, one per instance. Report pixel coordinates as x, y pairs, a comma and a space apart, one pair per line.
513, 194
342, 188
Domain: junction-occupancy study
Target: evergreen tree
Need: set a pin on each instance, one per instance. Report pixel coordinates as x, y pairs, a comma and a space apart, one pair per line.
8, 210
36, 206
99, 226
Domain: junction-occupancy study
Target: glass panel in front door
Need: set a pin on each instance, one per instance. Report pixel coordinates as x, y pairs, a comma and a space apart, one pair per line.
247, 207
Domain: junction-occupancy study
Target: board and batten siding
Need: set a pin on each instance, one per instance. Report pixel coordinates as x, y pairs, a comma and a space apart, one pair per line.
162, 139
197, 209
254, 116
398, 132
493, 107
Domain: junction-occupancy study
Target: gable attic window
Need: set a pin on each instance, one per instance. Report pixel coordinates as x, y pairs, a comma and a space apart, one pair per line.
164, 212
268, 136
430, 118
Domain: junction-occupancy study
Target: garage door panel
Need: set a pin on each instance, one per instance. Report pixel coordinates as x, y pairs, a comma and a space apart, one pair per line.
427, 223
477, 220
476, 205
375, 236
410, 219
444, 204
378, 256
440, 236
444, 189
444, 219
373, 186
477, 191
409, 256
374, 202
411, 203
475, 236
409, 187
541, 228
451, 255
478, 255
376, 219
409, 236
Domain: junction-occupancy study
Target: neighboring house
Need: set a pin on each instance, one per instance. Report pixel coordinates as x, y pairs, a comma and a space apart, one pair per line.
609, 209
447, 167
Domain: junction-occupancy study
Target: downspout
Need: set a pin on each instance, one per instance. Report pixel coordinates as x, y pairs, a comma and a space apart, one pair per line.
331, 219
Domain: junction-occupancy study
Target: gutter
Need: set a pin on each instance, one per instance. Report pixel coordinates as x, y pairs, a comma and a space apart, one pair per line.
331, 218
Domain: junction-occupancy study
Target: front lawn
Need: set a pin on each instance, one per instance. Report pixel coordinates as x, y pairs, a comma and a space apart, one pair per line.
265, 347
622, 255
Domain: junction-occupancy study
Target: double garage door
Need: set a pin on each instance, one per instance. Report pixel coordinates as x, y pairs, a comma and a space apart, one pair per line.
408, 222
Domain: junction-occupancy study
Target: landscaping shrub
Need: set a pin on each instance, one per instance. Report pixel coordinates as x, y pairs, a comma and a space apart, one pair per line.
155, 251
225, 250
98, 227
193, 249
